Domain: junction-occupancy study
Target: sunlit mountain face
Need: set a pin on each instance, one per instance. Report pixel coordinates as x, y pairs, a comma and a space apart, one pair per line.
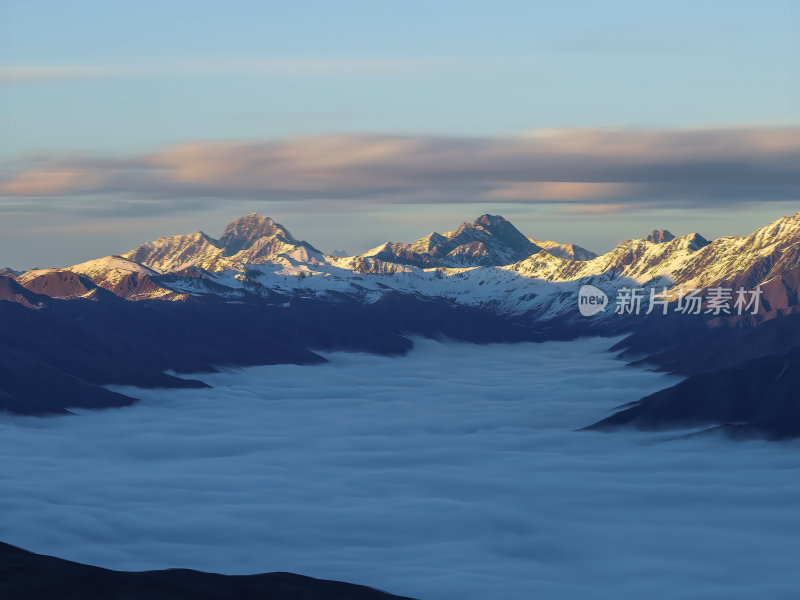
256, 256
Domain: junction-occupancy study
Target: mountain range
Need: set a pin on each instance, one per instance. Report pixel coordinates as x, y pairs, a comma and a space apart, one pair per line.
487, 262
264, 296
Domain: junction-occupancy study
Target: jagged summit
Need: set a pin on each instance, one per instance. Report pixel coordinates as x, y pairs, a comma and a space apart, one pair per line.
692, 241
244, 231
489, 240
695, 241
565, 251
500, 229
491, 223
660, 236
249, 239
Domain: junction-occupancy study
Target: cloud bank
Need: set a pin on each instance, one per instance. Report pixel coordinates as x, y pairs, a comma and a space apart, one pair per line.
451, 473
596, 169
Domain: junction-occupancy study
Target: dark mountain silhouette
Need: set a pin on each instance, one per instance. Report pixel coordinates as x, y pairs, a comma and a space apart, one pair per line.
660, 236
86, 344
11, 291
28, 576
759, 397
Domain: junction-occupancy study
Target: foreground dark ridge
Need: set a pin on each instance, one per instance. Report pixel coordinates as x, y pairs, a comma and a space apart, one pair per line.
743, 376
28, 576
757, 399
59, 357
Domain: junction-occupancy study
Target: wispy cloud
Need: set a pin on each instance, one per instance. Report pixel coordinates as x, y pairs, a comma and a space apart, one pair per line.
563, 191
286, 66
604, 167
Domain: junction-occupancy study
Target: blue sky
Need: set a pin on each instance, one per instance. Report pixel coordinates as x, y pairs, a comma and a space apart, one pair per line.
123, 79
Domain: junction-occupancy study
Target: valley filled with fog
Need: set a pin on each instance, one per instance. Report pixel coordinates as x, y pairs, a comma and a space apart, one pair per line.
455, 472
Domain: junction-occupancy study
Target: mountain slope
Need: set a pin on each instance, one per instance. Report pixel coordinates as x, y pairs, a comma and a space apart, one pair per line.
12, 291
58, 358
24, 575
565, 251
490, 240
758, 396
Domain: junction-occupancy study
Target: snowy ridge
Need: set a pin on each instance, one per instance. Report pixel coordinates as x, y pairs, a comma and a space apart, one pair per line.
565, 251
487, 263
490, 240
110, 269
250, 239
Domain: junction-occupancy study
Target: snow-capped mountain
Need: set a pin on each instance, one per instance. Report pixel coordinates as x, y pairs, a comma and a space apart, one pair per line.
566, 251
490, 240
638, 259
486, 263
257, 295
248, 240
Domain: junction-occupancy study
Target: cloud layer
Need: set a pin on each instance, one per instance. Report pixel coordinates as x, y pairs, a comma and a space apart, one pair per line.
451, 473
591, 168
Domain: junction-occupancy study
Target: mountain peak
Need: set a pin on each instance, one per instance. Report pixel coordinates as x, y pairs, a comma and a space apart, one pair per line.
565, 251
9, 271
245, 230
501, 230
487, 220
695, 241
251, 222
490, 240
660, 236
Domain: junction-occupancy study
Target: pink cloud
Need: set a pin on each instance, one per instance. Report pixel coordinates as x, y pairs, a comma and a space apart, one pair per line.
52, 182
589, 166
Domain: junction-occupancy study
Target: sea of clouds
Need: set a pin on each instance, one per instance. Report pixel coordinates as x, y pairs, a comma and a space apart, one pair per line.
451, 473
